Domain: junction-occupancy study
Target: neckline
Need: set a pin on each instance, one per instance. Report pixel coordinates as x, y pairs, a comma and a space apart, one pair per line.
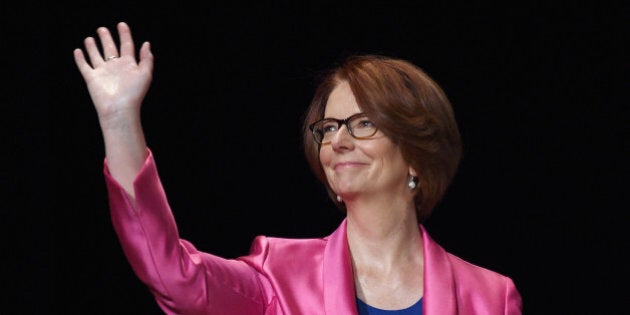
372, 308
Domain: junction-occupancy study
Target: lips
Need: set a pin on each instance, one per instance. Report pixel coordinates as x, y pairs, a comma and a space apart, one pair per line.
346, 165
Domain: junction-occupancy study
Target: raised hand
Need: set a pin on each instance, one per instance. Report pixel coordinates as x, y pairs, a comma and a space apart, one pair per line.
116, 82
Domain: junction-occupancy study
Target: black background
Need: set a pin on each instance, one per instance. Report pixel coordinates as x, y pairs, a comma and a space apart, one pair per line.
539, 92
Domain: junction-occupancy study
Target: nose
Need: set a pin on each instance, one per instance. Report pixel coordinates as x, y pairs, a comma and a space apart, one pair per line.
342, 140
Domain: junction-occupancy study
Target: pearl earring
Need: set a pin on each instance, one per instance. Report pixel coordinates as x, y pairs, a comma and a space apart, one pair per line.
412, 183
339, 198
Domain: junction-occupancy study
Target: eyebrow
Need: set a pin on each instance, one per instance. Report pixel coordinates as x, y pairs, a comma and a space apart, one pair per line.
326, 116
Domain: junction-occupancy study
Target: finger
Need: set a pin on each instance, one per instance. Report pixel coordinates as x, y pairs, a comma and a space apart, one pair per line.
146, 58
107, 42
82, 64
126, 41
92, 51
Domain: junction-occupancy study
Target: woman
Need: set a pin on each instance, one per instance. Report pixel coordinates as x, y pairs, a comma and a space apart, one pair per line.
379, 133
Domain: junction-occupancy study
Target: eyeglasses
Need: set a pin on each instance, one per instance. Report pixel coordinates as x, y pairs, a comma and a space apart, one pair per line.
359, 126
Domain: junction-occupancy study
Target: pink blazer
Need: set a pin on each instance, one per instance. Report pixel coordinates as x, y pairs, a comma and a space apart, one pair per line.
279, 276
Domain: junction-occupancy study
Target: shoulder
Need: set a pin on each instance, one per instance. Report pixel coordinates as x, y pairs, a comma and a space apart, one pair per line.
479, 287
438, 260
278, 245
467, 272
476, 287
272, 252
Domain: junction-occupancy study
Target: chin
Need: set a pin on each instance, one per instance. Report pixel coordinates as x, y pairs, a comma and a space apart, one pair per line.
345, 190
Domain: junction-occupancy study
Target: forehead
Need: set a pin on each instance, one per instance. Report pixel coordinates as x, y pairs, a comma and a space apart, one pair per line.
341, 102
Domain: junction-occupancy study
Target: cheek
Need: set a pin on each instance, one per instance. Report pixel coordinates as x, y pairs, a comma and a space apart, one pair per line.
389, 157
324, 156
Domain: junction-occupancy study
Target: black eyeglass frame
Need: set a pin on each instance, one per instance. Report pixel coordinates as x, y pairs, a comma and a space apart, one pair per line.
339, 122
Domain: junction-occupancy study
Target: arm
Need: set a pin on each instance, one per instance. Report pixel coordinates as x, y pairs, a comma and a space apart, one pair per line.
513, 300
117, 88
181, 278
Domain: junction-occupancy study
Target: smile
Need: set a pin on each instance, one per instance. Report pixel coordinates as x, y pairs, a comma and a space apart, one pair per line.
346, 165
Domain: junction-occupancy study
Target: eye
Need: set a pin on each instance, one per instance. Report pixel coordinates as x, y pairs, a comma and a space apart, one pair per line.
363, 123
329, 127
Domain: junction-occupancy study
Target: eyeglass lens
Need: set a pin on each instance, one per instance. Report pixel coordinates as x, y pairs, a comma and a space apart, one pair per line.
359, 126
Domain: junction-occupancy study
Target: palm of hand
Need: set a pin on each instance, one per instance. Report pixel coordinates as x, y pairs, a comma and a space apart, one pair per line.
117, 85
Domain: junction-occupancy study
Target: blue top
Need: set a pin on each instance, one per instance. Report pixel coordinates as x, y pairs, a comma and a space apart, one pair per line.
365, 309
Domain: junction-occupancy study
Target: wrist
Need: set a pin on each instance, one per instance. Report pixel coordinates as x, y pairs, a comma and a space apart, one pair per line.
118, 120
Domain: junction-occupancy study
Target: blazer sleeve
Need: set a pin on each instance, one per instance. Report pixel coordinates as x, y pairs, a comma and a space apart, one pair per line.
513, 300
182, 279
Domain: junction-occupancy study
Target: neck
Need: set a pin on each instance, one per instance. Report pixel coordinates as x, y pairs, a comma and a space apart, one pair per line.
383, 234
386, 251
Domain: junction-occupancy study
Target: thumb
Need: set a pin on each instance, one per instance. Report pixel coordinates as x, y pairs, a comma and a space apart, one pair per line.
146, 57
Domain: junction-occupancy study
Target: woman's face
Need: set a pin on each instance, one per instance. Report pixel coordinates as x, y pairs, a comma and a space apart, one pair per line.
360, 166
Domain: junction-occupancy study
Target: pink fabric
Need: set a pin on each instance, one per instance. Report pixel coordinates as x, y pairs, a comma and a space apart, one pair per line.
279, 276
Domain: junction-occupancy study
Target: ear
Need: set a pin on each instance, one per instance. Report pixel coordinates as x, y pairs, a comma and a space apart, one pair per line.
412, 172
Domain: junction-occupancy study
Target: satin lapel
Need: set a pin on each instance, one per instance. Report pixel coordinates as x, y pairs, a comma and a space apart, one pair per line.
339, 296
440, 296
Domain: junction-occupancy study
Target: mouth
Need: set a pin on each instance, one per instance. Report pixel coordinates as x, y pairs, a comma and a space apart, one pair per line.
347, 165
